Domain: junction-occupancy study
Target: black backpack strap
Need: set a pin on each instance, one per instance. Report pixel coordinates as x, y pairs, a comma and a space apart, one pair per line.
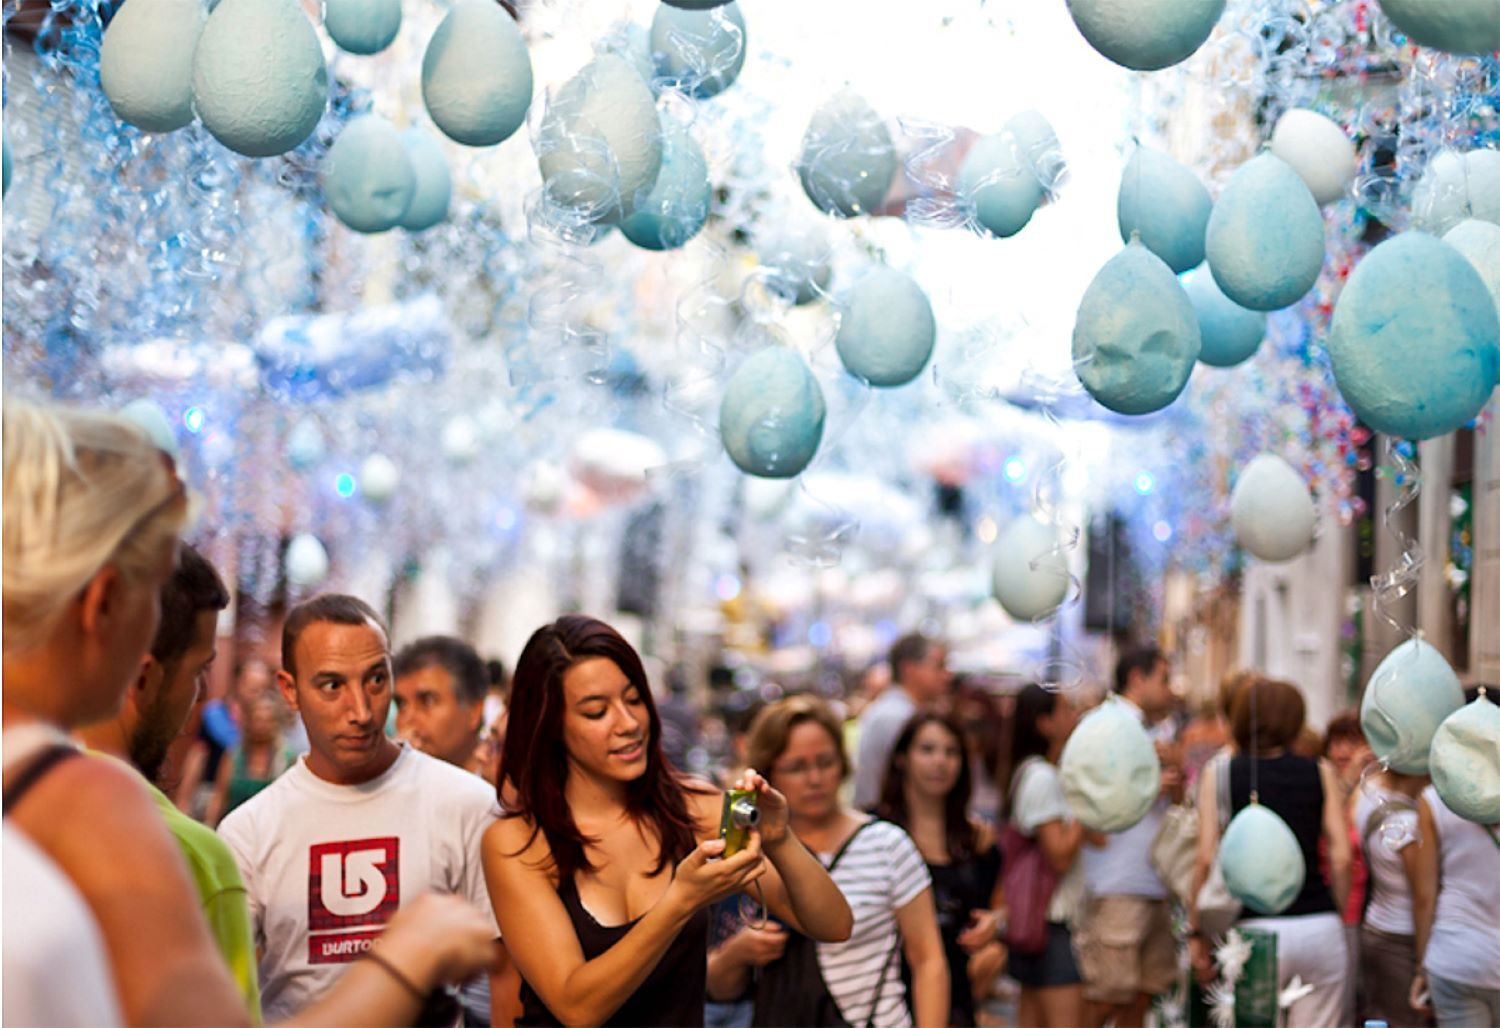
33, 772
848, 842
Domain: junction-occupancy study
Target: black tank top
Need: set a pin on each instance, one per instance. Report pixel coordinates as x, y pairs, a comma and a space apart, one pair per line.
1291, 787
672, 993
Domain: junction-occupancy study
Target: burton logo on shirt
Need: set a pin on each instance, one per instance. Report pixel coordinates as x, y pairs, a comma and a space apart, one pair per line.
353, 888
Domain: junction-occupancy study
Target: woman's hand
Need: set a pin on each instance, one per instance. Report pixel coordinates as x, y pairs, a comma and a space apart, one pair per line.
983, 928
774, 814
702, 880
1418, 996
1201, 959
757, 947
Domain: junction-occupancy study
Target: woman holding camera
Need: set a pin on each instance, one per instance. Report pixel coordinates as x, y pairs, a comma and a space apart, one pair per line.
604, 866
799, 743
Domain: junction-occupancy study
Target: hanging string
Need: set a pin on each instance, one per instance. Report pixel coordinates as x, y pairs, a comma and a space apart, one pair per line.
1254, 745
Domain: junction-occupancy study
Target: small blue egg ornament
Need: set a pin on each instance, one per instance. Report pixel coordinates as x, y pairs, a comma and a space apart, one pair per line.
1167, 205
434, 182
259, 82
146, 62
476, 74
848, 160
771, 417
369, 181
1146, 35
1411, 693
677, 206
1271, 510
1465, 761
1455, 187
800, 264
1136, 337
1262, 860
1479, 242
1453, 26
701, 52
362, 26
1414, 338
1231, 334
1265, 236
1029, 573
887, 331
999, 184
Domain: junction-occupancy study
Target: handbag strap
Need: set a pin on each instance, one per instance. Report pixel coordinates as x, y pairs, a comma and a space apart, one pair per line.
1222, 792
880, 982
33, 772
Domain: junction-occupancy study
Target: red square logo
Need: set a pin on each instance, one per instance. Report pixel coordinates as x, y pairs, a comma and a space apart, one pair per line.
353, 884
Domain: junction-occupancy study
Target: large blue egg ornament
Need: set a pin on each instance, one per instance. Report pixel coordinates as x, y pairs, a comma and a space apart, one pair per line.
771, 417
1265, 236
1146, 35
1412, 691
677, 206
476, 74
1414, 338
700, 51
146, 62
369, 181
362, 26
1455, 26
887, 332
1261, 860
1000, 184
259, 81
848, 159
1231, 334
1465, 761
1136, 337
434, 183
1167, 205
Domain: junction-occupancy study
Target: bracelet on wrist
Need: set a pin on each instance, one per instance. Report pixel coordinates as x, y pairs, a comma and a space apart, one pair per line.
391, 969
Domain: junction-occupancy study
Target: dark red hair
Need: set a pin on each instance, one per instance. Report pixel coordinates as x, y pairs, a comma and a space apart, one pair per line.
534, 764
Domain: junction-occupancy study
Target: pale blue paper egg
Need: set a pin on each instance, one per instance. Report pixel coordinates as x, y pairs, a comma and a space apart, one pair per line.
1029, 574
677, 206
771, 417
1465, 761
434, 183
600, 142
1265, 236
1231, 334
1414, 338
150, 418
1457, 26
259, 82
1037, 144
1412, 691
699, 51
1261, 860
146, 62
998, 181
362, 26
1479, 242
1167, 205
304, 445
800, 264
369, 181
1457, 186
1319, 150
1146, 34
848, 160
1110, 773
887, 331
378, 478
306, 561
1272, 511
1136, 336
476, 74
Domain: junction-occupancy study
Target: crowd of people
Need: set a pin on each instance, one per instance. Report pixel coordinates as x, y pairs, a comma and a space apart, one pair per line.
361, 836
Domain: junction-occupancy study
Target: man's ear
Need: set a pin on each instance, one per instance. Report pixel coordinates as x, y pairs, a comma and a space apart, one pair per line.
148, 683
476, 717
288, 686
100, 598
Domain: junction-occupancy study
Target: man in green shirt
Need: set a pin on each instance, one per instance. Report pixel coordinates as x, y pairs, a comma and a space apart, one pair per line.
155, 709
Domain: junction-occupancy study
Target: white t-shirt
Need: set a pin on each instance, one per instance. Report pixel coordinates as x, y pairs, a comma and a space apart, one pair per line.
880, 872
1040, 799
326, 866
1390, 902
1465, 942
879, 726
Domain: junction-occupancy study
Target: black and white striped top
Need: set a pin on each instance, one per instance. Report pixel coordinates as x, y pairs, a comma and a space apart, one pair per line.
879, 873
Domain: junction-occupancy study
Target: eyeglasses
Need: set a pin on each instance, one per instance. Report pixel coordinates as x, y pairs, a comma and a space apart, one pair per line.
802, 768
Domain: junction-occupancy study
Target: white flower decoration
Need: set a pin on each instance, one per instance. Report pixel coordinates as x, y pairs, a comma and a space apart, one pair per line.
1221, 1004
1232, 956
1294, 991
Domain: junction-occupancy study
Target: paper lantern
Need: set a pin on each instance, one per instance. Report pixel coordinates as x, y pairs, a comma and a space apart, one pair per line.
800, 264
304, 445
1318, 150
1414, 338
1271, 509
1262, 860
1465, 761
1109, 769
1136, 337
1265, 236
146, 62
1457, 26
847, 161
306, 561
600, 141
1231, 334
1167, 205
1146, 35
362, 26
476, 74
259, 82
771, 417
1455, 187
677, 206
369, 180
1030, 573
1411, 692
150, 418
1479, 242
999, 183
701, 51
887, 331
378, 478
434, 185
